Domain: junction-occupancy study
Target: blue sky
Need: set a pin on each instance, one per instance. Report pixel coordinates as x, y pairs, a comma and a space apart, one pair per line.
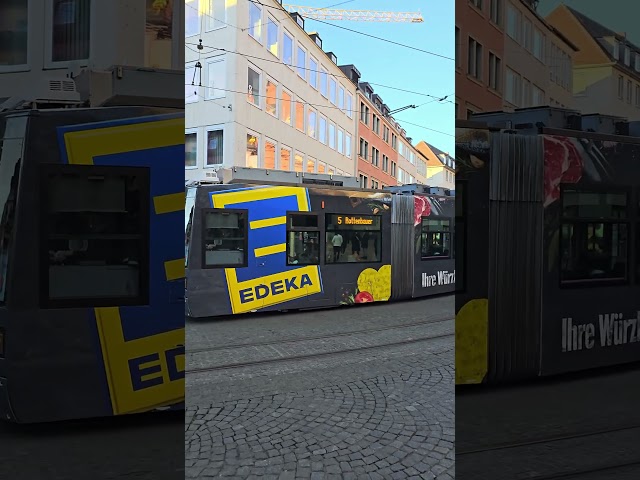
387, 64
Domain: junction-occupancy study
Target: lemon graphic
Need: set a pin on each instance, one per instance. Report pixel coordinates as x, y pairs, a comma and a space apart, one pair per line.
472, 342
376, 282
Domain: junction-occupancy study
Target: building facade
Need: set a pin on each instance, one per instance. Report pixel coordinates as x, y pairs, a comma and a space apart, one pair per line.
479, 58
537, 60
267, 96
441, 167
46, 45
606, 69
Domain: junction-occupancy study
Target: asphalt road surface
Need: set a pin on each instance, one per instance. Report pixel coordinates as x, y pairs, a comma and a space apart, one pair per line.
360, 392
574, 427
140, 447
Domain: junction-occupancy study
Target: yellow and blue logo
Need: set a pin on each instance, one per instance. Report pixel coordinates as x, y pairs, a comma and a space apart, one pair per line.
143, 346
267, 280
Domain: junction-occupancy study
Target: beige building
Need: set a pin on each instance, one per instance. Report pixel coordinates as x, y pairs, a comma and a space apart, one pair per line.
606, 70
441, 167
54, 51
537, 59
280, 103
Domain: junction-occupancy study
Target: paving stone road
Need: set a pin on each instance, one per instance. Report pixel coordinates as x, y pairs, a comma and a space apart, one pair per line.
383, 413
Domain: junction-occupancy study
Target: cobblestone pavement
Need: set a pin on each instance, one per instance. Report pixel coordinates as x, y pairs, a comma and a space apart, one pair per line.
385, 412
140, 447
583, 426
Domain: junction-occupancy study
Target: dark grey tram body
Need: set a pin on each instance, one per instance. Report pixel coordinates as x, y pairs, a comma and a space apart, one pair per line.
553, 241
56, 362
280, 253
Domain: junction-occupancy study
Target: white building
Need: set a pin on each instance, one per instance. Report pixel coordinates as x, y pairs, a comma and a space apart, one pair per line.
441, 167
280, 102
109, 47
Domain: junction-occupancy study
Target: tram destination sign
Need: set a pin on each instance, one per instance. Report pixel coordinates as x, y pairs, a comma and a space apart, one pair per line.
610, 330
355, 220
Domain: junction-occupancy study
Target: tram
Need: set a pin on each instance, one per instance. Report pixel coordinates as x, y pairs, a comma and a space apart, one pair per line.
91, 262
308, 242
549, 201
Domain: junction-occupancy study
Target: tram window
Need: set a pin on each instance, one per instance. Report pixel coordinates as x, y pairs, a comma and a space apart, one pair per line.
435, 238
225, 238
188, 221
353, 238
96, 230
303, 239
593, 239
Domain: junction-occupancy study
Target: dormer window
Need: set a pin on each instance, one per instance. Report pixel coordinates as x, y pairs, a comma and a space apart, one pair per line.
637, 62
616, 49
627, 56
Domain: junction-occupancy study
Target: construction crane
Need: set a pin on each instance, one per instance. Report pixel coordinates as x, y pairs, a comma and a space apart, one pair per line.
354, 15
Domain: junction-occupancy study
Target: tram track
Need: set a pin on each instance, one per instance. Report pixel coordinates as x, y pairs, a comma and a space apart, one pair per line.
316, 355
290, 340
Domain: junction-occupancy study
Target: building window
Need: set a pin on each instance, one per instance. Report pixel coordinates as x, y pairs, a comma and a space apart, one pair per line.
322, 167
394, 141
637, 95
322, 130
323, 82
311, 124
340, 141
303, 239
629, 91
216, 83
70, 25
385, 133
300, 115
270, 154
313, 72
637, 62
353, 238
375, 156
393, 169
253, 92
302, 63
385, 163
255, 21
14, 38
272, 36
347, 145
495, 72
537, 97
376, 124
341, 97
253, 147
349, 105
364, 148
332, 90
190, 150
620, 87
298, 162
311, 165
364, 113
616, 50
495, 12
191, 18
271, 98
593, 237
286, 107
224, 238
215, 148
285, 159
527, 34
627, 56
475, 59
97, 252
513, 88
513, 22
217, 16
477, 4
287, 49
332, 135
538, 45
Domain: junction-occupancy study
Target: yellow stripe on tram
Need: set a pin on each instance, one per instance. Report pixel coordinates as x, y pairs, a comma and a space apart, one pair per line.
174, 269
268, 222
173, 202
270, 250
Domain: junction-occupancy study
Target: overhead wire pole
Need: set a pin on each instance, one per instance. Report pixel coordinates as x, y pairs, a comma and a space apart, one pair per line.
354, 15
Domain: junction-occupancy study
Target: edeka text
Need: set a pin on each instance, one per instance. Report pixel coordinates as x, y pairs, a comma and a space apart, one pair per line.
257, 293
148, 371
611, 330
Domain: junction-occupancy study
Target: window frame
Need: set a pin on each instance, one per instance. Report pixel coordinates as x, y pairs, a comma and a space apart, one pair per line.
300, 48
199, 32
628, 220
286, 33
257, 70
291, 228
210, 90
196, 98
212, 128
380, 231
314, 72
23, 67
272, 21
449, 232
48, 38
193, 131
211, 20
270, 80
143, 297
203, 253
259, 7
